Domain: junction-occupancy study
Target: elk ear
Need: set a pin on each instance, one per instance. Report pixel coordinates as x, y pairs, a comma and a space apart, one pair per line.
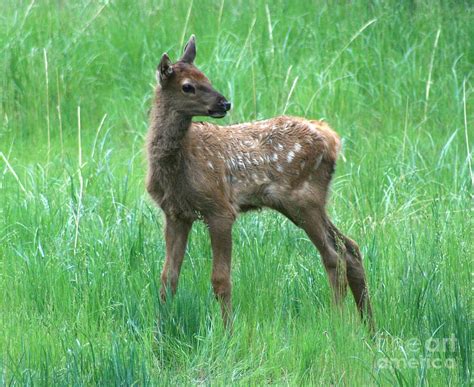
165, 68
189, 53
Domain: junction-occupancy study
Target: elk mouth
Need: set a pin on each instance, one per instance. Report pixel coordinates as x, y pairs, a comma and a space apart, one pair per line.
217, 113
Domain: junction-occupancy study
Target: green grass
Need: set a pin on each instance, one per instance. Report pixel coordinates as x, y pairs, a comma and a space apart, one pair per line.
81, 244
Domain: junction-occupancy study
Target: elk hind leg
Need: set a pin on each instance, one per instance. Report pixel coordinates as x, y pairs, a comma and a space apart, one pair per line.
314, 223
355, 274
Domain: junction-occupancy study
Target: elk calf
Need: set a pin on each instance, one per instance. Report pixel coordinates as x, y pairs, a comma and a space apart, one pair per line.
199, 170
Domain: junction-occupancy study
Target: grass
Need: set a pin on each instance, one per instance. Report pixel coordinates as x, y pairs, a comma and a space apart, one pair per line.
81, 244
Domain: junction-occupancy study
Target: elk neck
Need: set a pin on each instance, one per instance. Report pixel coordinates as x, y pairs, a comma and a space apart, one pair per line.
166, 160
168, 128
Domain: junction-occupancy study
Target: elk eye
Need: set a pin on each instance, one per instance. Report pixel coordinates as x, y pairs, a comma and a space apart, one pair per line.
187, 88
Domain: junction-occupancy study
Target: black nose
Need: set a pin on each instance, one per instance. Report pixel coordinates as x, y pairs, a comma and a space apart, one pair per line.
226, 105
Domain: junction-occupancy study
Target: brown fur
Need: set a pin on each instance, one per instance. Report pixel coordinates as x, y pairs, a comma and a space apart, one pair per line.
202, 170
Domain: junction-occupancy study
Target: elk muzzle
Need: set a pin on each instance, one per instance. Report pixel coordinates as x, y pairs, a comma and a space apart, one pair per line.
220, 109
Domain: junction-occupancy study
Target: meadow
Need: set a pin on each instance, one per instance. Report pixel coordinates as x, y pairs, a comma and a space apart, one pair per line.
81, 245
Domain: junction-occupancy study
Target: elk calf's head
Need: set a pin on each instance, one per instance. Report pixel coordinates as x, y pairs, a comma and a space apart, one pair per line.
186, 89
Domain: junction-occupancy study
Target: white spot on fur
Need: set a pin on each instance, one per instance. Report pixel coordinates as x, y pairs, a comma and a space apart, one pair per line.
305, 186
290, 156
274, 157
209, 164
279, 147
279, 168
297, 147
272, 191
231, 164
241, 163
318, 161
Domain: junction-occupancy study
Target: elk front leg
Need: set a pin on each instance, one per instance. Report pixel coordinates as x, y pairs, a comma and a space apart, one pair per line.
176, 238
220, 230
